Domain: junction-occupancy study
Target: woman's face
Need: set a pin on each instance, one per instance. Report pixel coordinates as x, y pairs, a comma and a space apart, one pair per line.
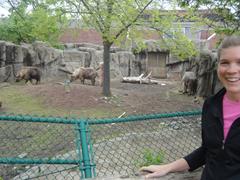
229, 70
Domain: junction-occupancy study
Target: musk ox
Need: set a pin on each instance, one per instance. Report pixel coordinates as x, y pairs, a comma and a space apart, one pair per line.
191, 86
29, 73
83, 73
189, 81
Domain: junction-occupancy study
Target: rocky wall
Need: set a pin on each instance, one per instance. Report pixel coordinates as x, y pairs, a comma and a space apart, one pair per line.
50, 60
13, 57
121, 62
205, 68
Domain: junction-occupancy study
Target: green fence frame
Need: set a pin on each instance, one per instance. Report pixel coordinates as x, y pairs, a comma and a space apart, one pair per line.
85, 160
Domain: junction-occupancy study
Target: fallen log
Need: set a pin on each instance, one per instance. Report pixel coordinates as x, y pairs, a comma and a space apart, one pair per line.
139, 79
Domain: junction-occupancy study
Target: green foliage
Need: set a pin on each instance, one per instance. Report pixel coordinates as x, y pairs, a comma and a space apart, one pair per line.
43, 26
27, 26
111, 18
225, 14
151, 158
58, 46
169, 27
180, 46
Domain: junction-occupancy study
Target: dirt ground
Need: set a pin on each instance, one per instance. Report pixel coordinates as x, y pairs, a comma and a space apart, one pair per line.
130, 98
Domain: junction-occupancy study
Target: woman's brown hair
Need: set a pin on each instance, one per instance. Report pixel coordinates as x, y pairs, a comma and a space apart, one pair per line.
229, 41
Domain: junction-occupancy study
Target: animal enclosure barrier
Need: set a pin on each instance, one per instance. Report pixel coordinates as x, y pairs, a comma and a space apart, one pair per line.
68, 148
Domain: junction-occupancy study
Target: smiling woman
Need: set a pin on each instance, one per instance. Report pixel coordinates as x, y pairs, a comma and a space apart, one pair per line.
229, 68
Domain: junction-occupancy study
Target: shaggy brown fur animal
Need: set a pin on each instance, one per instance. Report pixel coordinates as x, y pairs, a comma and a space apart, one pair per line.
189, 81
191, 86
83, 73
29, 73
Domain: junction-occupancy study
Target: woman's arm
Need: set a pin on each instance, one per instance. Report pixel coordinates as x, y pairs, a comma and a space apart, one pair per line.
161, 170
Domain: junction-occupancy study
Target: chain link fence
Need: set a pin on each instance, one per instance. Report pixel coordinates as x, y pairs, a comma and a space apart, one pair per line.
63, 148
122, 148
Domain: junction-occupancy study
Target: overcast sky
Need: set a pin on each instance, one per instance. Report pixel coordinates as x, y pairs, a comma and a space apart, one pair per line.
3, 8
3, 12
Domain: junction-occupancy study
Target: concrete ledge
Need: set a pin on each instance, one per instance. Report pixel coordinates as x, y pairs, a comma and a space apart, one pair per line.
195, 175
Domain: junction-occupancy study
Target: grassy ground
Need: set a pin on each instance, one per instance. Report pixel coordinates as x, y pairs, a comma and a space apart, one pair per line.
16, 100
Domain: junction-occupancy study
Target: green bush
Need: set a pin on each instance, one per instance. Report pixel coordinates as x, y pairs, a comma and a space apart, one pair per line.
151, 158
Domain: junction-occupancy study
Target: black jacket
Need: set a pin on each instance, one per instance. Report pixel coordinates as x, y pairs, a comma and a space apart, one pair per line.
221, 159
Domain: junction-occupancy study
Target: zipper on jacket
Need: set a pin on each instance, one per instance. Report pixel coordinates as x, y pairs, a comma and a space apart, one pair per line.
230, 129
223, 143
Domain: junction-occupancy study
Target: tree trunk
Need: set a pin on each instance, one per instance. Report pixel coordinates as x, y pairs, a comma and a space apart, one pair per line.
106, 67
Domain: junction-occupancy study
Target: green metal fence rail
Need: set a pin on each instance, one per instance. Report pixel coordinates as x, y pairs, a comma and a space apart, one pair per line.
34, 147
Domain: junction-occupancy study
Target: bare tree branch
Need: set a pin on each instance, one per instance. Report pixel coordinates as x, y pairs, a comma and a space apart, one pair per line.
15, 9
133, 21
99, 20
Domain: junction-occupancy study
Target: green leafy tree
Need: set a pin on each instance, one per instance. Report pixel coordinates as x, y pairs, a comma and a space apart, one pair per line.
38, 23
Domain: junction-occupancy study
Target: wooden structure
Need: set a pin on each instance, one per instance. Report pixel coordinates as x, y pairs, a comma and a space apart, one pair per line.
153, 59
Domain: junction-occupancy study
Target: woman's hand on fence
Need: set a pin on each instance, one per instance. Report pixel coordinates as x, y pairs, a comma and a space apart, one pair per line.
154, 171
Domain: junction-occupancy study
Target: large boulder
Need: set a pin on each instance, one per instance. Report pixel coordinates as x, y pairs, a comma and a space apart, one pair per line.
2, 53
205, 68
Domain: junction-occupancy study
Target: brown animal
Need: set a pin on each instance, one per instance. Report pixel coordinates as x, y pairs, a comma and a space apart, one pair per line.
191, 86
189, 81
83, 73
28, 73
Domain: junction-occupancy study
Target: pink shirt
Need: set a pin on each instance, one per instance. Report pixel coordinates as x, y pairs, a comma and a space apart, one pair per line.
231, 111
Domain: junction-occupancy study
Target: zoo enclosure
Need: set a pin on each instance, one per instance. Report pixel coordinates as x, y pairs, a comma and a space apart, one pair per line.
69, 148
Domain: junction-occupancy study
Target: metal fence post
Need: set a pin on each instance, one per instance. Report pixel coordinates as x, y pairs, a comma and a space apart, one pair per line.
78, 150
85, 152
